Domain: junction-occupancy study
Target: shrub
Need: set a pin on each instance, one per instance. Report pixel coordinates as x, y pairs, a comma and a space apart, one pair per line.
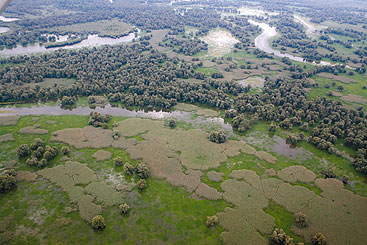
37, 143
172, 124
328, 173
211, 221
7, 182
50, 153
272, 127
231, 113
65, 150
39, 152
318, 239
217, 137
68, 101
124, 208
142, 184
142, 170
23, 151
279, 237
129, 169
118, 161
98, 223
301, 220
116, 134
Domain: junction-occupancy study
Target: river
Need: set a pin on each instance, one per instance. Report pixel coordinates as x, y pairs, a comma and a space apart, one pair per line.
92, 41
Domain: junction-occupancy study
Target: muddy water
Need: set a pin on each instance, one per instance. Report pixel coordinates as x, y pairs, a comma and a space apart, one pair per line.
6, 19
92, 41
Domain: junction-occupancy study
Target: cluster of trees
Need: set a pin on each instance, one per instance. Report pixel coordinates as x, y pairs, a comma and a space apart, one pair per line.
123, 72
184, 46
40, 153
8, 181
286, 103
97, 120
68, 102
218, 137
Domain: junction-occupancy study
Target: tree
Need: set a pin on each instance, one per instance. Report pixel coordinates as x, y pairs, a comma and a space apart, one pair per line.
318, 239
301, 220
211, 221
7, 182
217, 137
116, 134
124, 208
65, 150
23, 151
118, 161
37, 143
172, 124
279, 237
328, 173
142, 184
142, 170
129, 169
98, 222
272, 127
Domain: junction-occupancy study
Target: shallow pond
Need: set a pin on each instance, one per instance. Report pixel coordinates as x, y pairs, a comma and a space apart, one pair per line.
201, 122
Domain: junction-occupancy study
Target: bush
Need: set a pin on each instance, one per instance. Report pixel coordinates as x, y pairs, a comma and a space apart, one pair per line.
50, 153
23, 151
301, 220
328, 173
98, 223
142, 170
124, 208
217, 137
272, 127
318, 239
65, 150
142, 184
231, 113
116, 134
279, 237
7, 182
39, 152
129, 169
172, 124
118, 161
211, 221
37, 143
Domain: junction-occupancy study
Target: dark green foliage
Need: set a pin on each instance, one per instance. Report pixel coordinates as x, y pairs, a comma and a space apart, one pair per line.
118, 161
129, 169
23, 151
217, 137
272, 127
318, 239
7, 182
37, 143
68, 102
301, 220
142, 170
211, 221
97, 120
98, 223
142, 184
328, 173
279, 237
65, 150
172, 124
124, 208
231, 113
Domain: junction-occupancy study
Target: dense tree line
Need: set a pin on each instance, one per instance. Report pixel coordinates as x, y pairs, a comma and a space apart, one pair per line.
184, 46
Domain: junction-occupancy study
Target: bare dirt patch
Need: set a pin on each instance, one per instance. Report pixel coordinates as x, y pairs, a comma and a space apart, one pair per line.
220, 42
296, 173
26, 176
9, 120
215, 176
102, 155
6, 138
35, 129
337, 78
354, 98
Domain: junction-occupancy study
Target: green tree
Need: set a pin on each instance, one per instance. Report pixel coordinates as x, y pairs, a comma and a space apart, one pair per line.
98, 222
